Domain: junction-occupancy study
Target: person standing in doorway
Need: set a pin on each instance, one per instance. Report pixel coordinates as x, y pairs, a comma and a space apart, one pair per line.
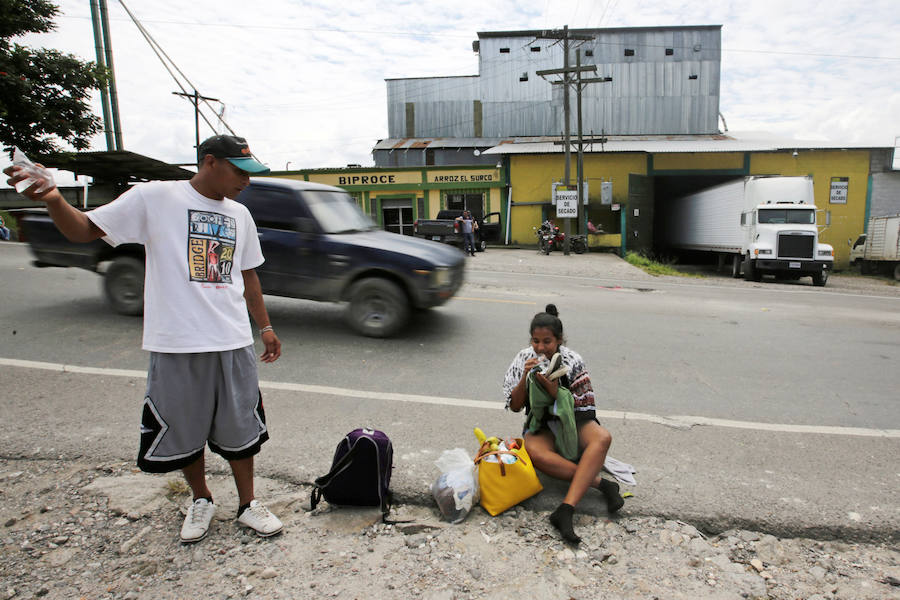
202, 383
469, 226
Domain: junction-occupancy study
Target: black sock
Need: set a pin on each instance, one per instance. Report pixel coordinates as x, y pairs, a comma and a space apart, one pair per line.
242, 508
610, 491
561, 518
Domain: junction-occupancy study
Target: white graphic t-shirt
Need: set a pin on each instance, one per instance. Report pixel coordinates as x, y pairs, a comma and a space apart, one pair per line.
196, 248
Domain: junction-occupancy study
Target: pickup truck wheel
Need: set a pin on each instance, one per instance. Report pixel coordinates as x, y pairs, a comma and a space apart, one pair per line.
820, 278
481, 245
124, 285
378, 308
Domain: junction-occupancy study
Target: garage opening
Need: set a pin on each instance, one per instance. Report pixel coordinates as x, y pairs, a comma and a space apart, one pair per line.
665, 188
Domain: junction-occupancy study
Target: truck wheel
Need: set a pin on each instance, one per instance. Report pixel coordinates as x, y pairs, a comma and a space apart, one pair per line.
480, 245
820, 278
736, 266
751, 273
862, 266
378, 307
123, 285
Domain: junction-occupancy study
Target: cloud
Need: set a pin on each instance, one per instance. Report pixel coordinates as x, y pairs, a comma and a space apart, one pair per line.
304, 80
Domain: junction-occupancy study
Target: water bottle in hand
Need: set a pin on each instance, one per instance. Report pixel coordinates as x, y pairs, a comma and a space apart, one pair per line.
33, 172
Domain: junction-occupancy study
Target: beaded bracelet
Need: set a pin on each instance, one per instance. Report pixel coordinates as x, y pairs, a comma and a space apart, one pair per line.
265, 329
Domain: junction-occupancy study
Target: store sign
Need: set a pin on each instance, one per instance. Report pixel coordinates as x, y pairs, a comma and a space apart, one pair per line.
566, 204
839, 188
356, 178
463, 176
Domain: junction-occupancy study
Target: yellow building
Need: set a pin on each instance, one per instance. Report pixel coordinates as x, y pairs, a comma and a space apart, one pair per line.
396, 197
645, 170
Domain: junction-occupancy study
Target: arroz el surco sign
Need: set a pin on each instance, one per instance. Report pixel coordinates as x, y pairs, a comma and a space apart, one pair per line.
463, 177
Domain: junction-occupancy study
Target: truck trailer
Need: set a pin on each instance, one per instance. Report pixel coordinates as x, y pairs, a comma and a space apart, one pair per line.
878, 250
759, 224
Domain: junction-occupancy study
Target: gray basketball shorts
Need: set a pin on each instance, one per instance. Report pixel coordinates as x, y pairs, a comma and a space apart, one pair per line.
197, 399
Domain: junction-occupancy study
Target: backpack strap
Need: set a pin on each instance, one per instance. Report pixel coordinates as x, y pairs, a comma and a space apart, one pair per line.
386, 502
324, 480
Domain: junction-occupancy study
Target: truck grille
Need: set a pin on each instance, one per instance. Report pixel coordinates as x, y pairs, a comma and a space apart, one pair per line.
792, 245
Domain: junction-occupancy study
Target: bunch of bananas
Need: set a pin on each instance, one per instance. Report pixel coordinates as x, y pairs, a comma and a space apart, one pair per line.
493, 442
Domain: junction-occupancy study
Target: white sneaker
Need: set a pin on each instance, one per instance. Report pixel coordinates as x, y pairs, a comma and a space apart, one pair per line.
196, 523
258, 518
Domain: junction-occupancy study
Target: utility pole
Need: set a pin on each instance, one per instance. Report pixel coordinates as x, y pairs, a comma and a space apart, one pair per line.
109, 99
580, 83
113, 94
565, 36
196, 98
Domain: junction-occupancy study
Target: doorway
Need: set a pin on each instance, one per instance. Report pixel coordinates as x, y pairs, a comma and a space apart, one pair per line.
397, 215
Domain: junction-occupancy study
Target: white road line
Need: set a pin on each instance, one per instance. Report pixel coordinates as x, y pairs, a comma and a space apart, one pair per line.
678, 421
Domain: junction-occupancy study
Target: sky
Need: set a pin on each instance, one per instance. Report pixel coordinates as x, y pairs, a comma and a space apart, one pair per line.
303, 81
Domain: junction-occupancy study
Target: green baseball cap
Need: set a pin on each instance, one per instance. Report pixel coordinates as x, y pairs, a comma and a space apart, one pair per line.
235, 150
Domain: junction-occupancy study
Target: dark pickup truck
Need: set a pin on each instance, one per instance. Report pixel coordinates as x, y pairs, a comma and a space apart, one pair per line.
317, 243
444, 229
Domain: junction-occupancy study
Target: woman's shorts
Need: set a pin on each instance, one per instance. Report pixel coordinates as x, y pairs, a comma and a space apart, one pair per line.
197, 399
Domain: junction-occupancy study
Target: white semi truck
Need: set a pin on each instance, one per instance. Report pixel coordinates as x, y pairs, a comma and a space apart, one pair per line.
878, 250
760, 224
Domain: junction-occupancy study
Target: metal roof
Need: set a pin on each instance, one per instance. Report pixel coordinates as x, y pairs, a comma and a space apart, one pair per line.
592, 31
659, 144
118, 165
429, 142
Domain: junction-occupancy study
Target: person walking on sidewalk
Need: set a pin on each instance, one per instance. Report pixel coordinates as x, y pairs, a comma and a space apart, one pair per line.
469, 227
202, 383
590, 442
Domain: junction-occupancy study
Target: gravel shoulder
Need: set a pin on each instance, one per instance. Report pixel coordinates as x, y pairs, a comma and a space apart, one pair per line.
72, 529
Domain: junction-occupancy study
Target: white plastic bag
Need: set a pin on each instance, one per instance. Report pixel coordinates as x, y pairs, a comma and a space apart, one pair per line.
456, 488
35, 174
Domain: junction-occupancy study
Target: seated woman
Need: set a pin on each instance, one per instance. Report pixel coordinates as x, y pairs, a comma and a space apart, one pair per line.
565, 423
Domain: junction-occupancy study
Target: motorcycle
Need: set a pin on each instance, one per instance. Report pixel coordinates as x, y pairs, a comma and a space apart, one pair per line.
551, 238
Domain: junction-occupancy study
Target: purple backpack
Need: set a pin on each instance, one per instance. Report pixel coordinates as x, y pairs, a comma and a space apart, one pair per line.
360, 472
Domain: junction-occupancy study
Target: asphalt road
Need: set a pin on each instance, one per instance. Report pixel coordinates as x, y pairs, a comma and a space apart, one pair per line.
762, 405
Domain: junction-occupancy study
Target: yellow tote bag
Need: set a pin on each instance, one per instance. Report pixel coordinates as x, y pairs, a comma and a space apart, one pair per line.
505, 485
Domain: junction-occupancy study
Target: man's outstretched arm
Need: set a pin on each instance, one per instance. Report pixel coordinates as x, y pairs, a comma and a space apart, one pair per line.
73, 223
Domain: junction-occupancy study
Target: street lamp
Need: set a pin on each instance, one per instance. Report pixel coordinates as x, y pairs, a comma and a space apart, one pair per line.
287, 165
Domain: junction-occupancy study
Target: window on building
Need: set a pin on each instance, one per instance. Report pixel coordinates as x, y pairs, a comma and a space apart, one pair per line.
692, 77
535, 48
629, 52
670, 51
504, 50
465, 200
523, 77
588, 52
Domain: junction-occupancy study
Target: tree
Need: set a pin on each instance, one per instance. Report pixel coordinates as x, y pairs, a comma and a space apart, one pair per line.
44, 94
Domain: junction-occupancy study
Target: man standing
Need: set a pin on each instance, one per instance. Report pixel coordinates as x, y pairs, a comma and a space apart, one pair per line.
469, 226
202, 383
